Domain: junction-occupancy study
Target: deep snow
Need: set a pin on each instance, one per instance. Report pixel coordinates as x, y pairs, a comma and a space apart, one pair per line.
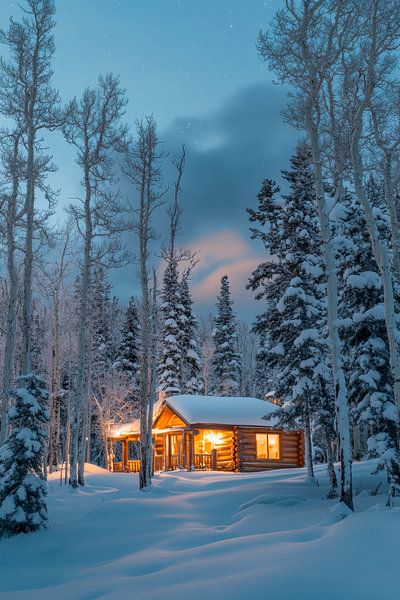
207, 535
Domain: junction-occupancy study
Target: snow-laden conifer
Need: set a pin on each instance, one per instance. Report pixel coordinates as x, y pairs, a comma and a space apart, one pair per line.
291, 285
128, 355
191, 362
22, 487
363, 327
226, 360
170, 352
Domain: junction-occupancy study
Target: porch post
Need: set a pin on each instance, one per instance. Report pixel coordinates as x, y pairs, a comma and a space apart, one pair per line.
182, 448
164, 451
190, 451
168, 451
124, 455
213, 459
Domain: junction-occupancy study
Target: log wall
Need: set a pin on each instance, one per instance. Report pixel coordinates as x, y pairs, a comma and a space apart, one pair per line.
226, 451
291, 450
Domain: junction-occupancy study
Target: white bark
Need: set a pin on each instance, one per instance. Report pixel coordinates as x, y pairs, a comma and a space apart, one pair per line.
380, 43
142, 169
342, 409
93, 127
310, 477
307, 41
11, 323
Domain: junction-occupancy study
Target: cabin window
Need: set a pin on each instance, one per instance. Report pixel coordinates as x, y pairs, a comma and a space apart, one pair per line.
268, 446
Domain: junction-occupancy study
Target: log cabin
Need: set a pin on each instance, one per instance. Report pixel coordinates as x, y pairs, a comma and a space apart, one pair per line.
210, 433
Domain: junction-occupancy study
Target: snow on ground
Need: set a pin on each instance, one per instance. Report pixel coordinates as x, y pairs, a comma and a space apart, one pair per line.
207, 535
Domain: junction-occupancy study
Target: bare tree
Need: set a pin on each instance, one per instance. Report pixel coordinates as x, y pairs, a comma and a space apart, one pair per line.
112, 405
28, 98
53, 279
303, 45
94, 128
13, 170
142, 168
366, 84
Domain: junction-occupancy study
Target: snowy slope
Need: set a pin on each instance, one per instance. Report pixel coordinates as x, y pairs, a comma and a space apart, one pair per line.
206, 535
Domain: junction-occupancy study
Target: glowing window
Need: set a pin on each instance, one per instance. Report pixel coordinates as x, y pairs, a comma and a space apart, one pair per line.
267, 445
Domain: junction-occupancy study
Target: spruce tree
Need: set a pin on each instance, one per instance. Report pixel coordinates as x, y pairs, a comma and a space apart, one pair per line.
364, 332
128, 355
191, 363
226, 360
170, 351
22, 487
291, 286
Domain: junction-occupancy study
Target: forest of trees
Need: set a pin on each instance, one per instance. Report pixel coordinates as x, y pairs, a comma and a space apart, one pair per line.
75, 360
67, 345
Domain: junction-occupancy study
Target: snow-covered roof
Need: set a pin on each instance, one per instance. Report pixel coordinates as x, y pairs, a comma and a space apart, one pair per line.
223, 410
215, 410
121, 429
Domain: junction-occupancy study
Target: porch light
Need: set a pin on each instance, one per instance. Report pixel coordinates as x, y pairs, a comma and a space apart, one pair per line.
213, 438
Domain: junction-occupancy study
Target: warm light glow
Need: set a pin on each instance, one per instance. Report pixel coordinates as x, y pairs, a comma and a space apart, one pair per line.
267, 445
207, 440
213, 438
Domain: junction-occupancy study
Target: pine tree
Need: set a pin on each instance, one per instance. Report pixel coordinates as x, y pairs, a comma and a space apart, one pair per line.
291, 286
170, 352
128, 355
191, 363
226, 360
22, 488
364, 332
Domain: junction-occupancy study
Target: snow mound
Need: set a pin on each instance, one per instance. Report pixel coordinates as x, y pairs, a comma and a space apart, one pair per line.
273, 499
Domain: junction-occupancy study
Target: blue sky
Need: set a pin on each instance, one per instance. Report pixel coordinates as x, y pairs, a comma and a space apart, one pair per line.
193, 64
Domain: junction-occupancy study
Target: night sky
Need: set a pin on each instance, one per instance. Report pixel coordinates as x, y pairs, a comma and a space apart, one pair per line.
193, 64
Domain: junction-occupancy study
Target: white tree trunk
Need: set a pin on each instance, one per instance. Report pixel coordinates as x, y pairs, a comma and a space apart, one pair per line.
11, 324
342, 409
78, 433
310, 477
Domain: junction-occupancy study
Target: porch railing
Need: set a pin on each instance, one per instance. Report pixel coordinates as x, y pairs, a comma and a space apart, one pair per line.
206, 462
201, 462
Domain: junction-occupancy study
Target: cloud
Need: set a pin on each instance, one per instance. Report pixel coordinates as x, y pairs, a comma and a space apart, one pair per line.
229, 153
224, 252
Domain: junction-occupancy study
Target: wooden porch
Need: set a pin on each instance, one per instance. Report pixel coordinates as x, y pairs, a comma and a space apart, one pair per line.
173, 449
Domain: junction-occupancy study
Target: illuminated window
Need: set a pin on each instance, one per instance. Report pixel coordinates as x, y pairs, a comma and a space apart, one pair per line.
267, 445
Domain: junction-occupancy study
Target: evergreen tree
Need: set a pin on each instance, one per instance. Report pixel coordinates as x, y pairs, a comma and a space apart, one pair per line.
170, 351
22, 488
226, 360
128, 355
191, 363
364, 333
291, 285
265, 380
